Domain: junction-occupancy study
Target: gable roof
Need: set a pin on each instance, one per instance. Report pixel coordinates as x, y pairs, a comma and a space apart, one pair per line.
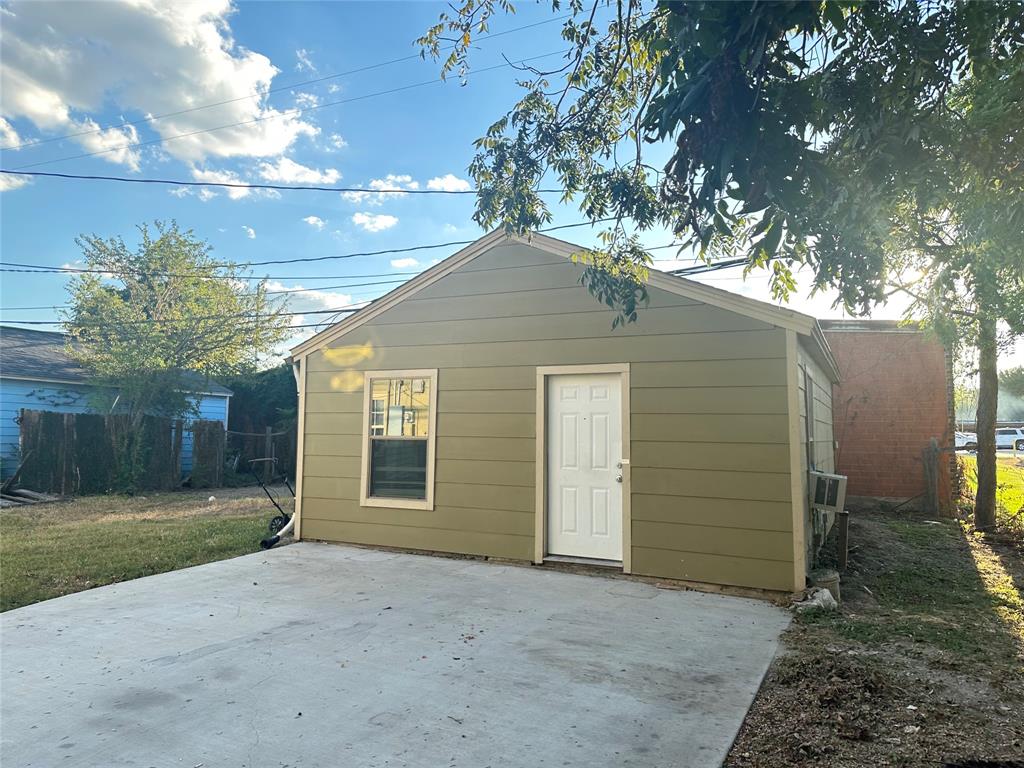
33, 355
802, 324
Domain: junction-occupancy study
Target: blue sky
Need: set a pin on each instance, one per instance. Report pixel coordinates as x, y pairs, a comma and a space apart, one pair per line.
79, 67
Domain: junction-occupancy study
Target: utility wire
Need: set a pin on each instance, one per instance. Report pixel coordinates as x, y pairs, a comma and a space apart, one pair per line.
193, 318
352, 308
267, 92
12, 266
278, 115
243, 185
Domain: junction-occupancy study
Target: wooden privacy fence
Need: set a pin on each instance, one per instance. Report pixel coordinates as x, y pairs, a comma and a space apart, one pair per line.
242, 447
207, 454
82, 453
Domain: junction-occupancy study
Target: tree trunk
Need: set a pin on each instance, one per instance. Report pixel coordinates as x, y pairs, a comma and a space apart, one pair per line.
988, 399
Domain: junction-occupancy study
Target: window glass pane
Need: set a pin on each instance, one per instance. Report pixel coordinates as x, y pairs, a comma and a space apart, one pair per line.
400, 407
398, 469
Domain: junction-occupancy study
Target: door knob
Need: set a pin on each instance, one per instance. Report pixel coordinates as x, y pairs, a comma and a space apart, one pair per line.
618, 478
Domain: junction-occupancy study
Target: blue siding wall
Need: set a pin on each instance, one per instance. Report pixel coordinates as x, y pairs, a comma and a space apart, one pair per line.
16, 394
211, 408
36, 396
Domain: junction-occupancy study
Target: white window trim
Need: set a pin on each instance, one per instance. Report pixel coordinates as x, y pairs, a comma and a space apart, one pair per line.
365, 500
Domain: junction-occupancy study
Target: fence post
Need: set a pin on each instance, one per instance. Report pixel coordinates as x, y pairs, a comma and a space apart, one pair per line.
268, 453
930, 458
843, 540
68, 465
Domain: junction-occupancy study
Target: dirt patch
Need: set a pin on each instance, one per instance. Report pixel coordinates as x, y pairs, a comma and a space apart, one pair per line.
923, 665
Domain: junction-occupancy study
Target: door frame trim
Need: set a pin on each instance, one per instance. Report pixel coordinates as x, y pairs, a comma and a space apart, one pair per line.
541, 458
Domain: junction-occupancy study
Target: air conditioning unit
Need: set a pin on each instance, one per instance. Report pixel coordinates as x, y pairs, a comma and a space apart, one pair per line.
827, 492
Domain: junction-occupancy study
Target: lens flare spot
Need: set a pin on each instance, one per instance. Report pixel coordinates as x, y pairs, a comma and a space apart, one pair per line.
347, 381
343, 357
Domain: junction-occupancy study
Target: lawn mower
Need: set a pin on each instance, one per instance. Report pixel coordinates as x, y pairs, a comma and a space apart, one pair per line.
281, 524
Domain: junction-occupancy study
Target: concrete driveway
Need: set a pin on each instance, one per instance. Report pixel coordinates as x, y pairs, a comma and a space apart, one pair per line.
320, 655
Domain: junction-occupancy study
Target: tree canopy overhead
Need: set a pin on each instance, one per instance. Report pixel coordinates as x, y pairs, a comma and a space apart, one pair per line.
880, 143
762, 104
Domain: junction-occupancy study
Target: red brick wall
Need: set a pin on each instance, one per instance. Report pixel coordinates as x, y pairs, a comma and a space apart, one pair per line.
893, 398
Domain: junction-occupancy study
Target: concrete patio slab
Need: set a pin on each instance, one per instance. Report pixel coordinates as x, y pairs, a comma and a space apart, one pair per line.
321, 655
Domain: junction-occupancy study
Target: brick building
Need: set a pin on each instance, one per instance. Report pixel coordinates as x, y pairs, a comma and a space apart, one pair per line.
894, 396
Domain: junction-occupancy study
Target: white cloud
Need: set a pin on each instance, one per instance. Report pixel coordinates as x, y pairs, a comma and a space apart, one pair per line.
315, 222
249, 232
113, 143
8, 136
337, 141
333, 88
374, 222
9, 182
305, 62
306, 100
220, 177
287, 171
395, 183
62, 63
179, 191
302, 299
449, 183
403, 263
80, 264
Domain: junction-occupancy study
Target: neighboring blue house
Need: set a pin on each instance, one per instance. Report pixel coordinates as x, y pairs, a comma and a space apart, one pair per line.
37, 373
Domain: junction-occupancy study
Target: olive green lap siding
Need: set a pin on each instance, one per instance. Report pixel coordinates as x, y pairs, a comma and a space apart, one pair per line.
822, 453
709, 427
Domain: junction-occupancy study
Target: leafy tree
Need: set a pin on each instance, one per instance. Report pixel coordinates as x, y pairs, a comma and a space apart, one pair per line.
266, 398
880, 143
965, 402
147, 318
953, 246
1012, 380
262, 399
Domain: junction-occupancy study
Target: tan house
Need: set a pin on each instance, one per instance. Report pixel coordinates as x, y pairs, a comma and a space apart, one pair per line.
487, 407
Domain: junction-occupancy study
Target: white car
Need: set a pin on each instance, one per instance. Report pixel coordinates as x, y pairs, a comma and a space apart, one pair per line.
1009, 439
965, 441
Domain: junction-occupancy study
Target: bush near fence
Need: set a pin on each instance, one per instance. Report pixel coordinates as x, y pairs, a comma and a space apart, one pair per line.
82, 453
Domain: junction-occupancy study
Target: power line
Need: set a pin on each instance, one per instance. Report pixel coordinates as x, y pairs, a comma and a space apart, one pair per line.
317, 289
193, 318
703, 269
243, 185
267, 92
12, 266
278, 115
709, 268
321, 324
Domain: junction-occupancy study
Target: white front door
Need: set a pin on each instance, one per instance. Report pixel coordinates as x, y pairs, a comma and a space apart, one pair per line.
584, 423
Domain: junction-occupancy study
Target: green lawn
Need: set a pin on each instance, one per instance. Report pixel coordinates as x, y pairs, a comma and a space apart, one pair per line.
49, 550
1010, 493
934, 585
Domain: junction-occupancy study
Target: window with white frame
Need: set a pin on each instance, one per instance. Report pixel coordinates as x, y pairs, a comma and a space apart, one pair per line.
398, 451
